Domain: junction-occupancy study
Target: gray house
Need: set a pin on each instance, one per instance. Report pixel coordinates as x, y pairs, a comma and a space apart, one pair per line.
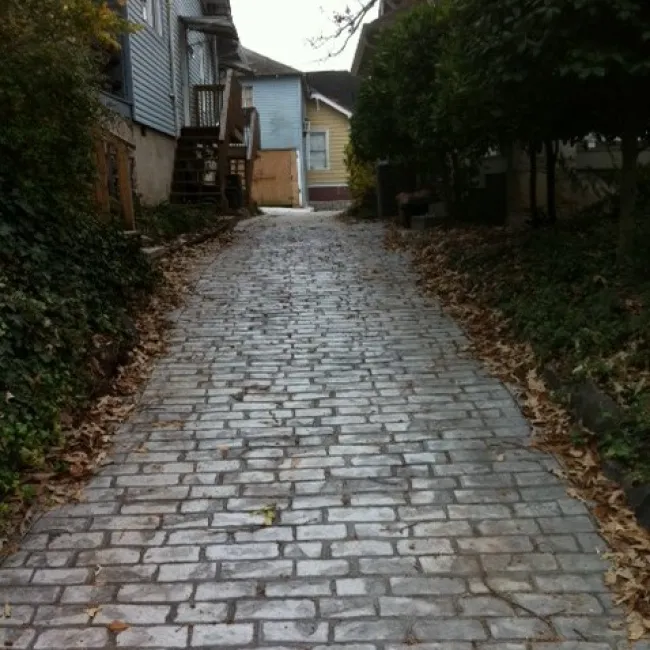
155, 82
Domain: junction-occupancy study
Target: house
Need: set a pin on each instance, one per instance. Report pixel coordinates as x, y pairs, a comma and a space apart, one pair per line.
332, 95
279, 92
178, 102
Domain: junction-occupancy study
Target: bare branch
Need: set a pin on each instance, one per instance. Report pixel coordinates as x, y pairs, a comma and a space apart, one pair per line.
346, 24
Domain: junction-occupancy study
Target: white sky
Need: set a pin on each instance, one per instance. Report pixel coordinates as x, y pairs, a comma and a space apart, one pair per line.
279, 29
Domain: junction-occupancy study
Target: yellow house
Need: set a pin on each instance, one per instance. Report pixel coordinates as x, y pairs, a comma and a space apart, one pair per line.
327, 131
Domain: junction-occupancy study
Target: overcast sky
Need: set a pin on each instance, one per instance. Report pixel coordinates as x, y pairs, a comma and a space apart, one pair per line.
279, 29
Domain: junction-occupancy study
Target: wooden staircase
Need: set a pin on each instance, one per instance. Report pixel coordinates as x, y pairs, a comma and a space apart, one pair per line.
215, 156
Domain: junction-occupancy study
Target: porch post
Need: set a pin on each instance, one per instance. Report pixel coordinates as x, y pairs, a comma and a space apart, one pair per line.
185, 78
215, 56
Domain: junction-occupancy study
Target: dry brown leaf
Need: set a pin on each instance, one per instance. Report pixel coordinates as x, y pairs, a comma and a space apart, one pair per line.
87, 436
93, 610
515, 364
118, 626
636, 626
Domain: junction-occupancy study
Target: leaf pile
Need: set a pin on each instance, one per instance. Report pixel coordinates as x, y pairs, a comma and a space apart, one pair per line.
514, 360
86, 437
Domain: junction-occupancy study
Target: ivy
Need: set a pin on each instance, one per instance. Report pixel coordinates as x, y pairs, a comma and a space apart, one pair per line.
68, 281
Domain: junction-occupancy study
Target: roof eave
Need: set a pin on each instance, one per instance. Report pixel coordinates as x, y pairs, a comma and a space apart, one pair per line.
330, 102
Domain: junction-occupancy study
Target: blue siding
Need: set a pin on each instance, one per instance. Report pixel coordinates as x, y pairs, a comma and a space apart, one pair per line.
281, 106
279, 103
153, 104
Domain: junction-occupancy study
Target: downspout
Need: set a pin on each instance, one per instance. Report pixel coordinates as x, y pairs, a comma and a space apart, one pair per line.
172, 67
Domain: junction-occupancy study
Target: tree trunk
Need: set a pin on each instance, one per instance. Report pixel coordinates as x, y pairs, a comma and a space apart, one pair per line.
551, 179
456, 183
629, 172
532, 188
512, 185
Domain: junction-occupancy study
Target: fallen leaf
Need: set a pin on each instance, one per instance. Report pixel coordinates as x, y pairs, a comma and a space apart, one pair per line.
7, 610
269, 513
118, 626
514, 363
93, 611
636, 626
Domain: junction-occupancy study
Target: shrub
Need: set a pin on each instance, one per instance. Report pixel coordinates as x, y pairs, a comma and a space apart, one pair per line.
361, 178
67, 280
64, 283
166, 221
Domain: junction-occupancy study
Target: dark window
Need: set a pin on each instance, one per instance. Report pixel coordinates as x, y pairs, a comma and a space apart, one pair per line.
114, 60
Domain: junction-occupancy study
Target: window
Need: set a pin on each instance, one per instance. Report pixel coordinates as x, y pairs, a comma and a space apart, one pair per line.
247, 96
114, 72
151, 14
318, 158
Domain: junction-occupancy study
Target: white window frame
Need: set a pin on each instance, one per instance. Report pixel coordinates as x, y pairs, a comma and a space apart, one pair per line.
326, 133
247, 96
154, 21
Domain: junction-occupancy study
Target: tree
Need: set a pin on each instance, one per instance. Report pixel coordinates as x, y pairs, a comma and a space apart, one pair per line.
565, 68
607, 62
50, 76
400, 112
506, 50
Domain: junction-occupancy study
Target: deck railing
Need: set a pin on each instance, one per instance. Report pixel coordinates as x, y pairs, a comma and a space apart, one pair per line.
208, 105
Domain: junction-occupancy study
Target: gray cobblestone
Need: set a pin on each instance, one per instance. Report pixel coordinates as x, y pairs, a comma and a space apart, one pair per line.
315, 465
64, 639
166, 636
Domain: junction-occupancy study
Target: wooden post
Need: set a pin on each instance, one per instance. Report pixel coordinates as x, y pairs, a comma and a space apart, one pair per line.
101, 184
223, 171
124, 185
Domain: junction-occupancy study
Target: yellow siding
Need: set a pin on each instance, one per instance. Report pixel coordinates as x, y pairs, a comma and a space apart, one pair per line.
325, 118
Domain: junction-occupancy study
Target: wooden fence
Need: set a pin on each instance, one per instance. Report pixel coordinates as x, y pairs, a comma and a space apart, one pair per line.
114, 187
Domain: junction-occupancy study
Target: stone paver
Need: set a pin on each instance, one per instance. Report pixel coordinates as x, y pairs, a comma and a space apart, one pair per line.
310, 386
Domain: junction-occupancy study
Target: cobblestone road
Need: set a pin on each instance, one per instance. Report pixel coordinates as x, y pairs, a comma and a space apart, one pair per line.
310, 386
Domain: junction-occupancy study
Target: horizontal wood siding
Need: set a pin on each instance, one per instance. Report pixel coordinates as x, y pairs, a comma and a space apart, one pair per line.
280, 104
152, 105
325, 118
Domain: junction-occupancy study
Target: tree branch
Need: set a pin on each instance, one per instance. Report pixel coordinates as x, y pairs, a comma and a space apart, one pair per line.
346, 24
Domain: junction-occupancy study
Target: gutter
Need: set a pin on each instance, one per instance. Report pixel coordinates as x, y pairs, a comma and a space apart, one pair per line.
172, 71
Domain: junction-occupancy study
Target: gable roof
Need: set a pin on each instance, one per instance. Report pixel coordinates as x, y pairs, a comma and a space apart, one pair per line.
339, 86
263, 66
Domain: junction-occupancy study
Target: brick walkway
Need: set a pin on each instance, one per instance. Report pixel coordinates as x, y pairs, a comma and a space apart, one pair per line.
310, 386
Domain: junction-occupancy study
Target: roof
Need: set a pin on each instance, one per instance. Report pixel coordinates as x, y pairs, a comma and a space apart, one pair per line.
263, 66
340, 86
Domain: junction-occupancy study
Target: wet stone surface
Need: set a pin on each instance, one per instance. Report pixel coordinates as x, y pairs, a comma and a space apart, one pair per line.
316, 464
